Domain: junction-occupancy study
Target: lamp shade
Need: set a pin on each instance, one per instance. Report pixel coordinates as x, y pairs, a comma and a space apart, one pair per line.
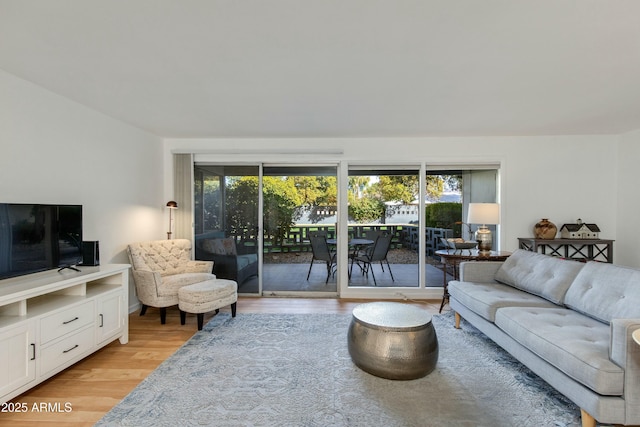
172, 205
484, 213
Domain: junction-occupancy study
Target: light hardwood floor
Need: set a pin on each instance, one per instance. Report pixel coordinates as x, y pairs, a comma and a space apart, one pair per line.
83, 393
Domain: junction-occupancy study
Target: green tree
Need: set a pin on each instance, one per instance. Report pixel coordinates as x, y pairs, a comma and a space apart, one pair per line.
371, 201
282, 206
366, 209
435, 186
241, 206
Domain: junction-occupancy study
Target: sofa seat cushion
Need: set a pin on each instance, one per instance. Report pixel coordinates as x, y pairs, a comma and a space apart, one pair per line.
606, 292
245, 260
542, 275
576, 344
485, 298
171, 284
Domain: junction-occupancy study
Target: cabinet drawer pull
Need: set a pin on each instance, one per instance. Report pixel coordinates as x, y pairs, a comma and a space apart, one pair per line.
69, 321
33, 346
72, 348
101, 320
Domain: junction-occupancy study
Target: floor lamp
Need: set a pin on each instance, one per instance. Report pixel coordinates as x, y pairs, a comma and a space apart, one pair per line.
171, 205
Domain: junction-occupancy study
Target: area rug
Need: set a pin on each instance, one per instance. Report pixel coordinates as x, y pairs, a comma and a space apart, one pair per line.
295, 370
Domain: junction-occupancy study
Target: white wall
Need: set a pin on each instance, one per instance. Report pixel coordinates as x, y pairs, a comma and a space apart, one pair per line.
53, 150
628, 191
562, 178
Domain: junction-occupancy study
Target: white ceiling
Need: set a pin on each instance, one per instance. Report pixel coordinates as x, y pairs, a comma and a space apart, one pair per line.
316, 68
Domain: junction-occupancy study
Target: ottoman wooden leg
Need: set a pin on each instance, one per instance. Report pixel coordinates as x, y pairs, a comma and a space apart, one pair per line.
200, 320
233, 309
183, 317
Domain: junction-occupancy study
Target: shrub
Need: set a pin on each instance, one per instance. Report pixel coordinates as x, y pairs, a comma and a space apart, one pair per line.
444, 215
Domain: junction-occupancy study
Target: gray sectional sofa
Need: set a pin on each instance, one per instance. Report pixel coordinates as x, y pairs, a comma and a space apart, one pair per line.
569, 322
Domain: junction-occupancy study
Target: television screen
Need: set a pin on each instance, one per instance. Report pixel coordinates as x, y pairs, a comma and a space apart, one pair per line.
37, 237
69, 235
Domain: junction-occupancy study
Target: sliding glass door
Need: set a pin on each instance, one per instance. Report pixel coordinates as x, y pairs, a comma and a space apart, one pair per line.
226, 222
383, 227
299, 230
274, 228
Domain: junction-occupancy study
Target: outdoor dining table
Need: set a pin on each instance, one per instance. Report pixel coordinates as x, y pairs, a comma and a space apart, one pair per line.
356, 243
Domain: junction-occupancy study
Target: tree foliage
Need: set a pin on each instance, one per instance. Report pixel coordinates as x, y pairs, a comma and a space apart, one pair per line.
371, 199
377, 199
282, 206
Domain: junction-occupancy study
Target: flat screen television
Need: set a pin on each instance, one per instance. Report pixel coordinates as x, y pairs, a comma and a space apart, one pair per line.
38, 237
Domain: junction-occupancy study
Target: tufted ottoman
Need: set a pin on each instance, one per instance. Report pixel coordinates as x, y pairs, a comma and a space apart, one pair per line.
206, 296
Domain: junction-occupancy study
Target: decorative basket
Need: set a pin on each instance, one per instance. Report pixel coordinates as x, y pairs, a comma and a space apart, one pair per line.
459, 244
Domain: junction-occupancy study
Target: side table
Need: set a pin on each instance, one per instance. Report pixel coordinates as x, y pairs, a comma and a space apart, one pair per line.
453, 257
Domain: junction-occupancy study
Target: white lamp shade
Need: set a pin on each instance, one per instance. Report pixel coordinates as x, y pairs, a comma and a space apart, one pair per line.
484, 213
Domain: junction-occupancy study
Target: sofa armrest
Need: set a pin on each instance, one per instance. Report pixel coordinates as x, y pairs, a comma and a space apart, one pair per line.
479, 271
247, 246
199, 267
625, 352
226, 266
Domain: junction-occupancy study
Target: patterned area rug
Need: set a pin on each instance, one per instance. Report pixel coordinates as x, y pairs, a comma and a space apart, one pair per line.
295, 370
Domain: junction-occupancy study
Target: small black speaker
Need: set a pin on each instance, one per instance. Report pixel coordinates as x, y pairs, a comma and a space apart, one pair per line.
90, 253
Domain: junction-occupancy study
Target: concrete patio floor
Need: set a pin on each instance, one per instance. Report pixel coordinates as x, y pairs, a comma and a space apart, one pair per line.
293, 278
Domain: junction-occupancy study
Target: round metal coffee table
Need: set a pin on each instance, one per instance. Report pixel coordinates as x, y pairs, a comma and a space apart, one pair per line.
393, 340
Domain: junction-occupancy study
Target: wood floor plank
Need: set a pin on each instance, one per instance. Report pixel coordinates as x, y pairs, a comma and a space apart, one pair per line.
91, 387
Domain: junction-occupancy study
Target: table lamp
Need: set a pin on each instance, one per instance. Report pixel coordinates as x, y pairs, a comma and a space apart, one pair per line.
484, 213
171, 205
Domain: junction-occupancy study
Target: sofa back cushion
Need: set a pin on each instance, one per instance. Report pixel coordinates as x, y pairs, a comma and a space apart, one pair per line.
542, 275
167, 257
605, 292
225, 246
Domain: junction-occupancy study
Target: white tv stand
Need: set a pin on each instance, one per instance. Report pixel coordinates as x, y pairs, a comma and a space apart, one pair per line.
51, 320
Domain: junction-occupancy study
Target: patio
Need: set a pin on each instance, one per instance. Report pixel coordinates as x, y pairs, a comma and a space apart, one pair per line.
288, 272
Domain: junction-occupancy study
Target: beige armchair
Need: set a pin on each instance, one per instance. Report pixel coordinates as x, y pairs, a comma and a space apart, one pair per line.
160, 268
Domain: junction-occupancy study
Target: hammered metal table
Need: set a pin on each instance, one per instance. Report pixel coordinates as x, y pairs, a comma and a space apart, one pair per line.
393, 340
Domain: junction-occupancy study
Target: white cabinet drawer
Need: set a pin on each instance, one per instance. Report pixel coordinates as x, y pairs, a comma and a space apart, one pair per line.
63, 322
72, 347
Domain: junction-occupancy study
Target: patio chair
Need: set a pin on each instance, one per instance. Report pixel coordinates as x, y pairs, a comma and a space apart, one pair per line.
377, 254
370, 235
321, 252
